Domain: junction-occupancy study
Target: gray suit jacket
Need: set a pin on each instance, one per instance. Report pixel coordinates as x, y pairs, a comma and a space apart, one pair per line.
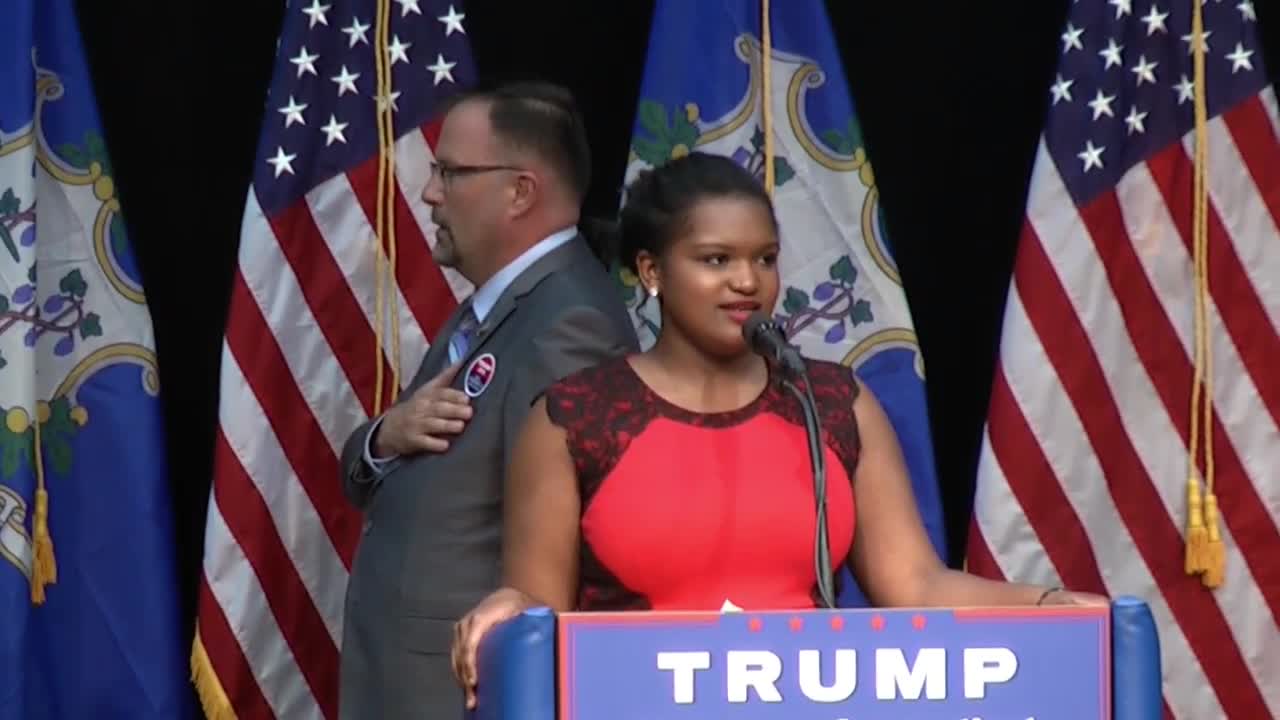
431, 542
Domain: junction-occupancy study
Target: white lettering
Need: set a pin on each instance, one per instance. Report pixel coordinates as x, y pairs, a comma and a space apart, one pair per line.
928, 673
841, 688
983, 666
759, 669
683, 665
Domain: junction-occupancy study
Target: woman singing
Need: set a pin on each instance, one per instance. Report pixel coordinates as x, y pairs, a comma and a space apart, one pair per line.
680, 478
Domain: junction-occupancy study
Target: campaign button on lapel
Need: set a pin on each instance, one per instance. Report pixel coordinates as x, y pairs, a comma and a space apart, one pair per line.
479, 374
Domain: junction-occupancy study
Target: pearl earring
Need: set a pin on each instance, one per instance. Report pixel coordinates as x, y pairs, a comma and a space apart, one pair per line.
653, 292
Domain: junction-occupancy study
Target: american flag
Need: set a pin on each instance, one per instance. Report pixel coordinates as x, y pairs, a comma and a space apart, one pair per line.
1083, 477
317, 325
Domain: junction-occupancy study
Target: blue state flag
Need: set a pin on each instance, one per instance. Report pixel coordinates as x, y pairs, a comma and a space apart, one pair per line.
89, 616
842, 298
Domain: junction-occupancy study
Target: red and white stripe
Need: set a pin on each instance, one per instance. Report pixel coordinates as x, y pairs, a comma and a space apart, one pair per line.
1082, 477
298, 375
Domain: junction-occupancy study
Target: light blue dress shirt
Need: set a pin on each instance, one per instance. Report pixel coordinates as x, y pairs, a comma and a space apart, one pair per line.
482, 302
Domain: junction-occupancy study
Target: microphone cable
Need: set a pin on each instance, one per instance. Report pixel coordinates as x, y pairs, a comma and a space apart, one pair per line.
765, 338
818, 462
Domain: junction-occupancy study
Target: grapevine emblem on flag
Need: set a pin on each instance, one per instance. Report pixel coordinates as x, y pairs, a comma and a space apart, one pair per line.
57, 201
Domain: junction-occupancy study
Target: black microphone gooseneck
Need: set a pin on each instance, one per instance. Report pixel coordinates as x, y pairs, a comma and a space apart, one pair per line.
766, 338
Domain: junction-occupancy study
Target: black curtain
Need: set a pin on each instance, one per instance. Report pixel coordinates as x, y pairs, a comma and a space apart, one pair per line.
951, 97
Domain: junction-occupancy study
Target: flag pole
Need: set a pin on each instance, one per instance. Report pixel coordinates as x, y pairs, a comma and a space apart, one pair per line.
766, 93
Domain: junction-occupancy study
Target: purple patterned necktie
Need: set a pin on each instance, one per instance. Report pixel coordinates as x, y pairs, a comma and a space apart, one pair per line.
460, 341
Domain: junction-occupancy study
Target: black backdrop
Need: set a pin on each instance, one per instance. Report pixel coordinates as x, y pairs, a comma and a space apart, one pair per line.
951, 97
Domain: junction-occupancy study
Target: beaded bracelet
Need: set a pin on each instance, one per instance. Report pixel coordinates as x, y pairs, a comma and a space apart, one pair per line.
1047, 593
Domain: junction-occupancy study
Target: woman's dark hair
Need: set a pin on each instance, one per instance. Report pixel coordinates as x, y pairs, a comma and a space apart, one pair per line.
658, 202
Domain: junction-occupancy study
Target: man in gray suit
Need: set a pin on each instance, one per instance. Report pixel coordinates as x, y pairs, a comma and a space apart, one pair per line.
511, 170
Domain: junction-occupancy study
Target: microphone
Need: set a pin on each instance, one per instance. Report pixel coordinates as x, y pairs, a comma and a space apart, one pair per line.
765, 338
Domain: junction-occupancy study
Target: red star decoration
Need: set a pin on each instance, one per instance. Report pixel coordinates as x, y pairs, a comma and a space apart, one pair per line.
796, 624
755, 625
918, 622
877, 622
837, 623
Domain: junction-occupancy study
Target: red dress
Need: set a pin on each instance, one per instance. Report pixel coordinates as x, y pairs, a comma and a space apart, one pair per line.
685, 511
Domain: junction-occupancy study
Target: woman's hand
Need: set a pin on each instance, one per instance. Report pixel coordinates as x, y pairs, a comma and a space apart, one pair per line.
501, 605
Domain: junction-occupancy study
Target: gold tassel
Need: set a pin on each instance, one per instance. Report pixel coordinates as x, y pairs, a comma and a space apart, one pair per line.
1215, 553
213, 699
44, 569
1204, 551
1197, 535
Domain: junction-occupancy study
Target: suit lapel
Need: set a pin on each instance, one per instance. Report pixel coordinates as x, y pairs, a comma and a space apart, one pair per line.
524, 284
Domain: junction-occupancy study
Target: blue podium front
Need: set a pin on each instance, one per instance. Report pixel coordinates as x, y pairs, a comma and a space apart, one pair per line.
955, 664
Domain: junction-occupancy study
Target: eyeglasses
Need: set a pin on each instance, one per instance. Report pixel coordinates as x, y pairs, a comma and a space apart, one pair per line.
447, 173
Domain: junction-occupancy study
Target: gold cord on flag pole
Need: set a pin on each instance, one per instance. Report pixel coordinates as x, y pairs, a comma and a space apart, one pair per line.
1204, 552
766, 93
384, 221
382, 100
387, 157
44, 568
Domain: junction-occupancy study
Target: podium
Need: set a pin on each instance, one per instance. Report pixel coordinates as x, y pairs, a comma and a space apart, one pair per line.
1039, 663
